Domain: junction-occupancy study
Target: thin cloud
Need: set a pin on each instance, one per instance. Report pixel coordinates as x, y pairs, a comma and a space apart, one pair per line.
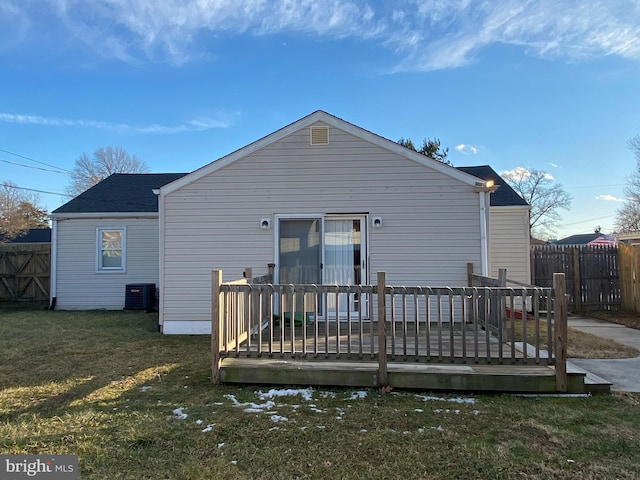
466, 149
190, 126
609, 198
554, 165
423, 34
522, 172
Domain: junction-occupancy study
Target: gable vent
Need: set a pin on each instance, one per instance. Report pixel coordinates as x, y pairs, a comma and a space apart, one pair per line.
319, 135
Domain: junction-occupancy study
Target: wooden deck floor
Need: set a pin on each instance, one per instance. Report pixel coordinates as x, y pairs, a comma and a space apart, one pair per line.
331, 354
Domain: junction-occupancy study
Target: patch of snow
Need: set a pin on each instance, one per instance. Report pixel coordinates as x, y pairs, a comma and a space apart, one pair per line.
358, 395
429, 398
220, 445
419, 410
421, 430
327, 395
476, 412
145, 388
207, 429
218, 403
253, 410
234, 462
199, 422
305, 393
279, 418
179, 414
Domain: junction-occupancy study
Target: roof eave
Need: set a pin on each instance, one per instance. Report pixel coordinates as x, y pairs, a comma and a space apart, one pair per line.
88, 215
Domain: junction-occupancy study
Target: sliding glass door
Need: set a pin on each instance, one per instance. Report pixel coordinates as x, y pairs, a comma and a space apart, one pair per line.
328, 250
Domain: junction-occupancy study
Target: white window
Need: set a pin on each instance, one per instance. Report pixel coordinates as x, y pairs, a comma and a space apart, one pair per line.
111, 251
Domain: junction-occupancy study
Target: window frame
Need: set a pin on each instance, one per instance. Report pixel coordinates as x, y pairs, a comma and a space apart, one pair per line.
100, 268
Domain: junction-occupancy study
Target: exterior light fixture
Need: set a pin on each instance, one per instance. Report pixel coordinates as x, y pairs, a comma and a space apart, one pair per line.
376, 222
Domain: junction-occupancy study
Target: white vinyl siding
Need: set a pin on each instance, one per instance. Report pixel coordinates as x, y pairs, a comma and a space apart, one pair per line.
79, 286
509, 242
430, 228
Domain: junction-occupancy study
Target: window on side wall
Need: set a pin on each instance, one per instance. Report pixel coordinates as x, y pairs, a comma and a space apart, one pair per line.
111, 251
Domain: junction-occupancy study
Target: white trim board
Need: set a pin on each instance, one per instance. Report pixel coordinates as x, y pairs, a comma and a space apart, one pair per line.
186, 328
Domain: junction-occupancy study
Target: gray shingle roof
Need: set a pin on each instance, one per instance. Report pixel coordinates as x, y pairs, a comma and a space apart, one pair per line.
33, 235
503, 196
122, 193
579, 239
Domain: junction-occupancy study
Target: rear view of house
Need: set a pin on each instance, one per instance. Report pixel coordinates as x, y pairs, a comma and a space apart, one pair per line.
326, 202
321, 200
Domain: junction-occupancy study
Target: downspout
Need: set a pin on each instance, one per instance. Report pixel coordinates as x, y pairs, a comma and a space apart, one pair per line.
484, 243
53, 280
160, 258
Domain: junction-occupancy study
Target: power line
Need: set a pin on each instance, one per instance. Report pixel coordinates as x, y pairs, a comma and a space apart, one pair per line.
35, 168
585, 221
6, 185
33, 160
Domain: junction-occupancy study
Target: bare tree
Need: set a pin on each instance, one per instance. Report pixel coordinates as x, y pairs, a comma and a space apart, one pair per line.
545, 198
88, 171
430, 148
19, 211
628, 216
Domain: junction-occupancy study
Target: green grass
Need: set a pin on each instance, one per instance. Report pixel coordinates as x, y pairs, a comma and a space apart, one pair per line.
72, 383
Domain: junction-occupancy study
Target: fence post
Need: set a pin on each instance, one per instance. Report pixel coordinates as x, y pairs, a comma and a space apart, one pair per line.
469, 274
577, 290
216, 281
560, 322
382, 335
248, 274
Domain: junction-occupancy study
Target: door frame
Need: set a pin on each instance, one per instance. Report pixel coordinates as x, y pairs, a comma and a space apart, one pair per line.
364, 242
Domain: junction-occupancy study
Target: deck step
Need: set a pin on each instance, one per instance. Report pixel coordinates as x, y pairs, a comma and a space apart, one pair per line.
592, 382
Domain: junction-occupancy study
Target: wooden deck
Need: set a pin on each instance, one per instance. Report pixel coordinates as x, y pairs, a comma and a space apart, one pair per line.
428, 338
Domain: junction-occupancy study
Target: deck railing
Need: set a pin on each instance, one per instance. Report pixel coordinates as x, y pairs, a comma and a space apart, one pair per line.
452, 325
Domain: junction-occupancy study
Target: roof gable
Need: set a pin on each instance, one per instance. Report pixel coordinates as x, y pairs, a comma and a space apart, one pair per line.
325, 118
503, 196
120, 193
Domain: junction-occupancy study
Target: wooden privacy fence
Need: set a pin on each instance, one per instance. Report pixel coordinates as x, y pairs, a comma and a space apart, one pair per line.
25, 272
592, 273
629, 261
418, 324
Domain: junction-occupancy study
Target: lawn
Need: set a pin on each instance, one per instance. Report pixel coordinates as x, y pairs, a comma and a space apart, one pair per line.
133, 404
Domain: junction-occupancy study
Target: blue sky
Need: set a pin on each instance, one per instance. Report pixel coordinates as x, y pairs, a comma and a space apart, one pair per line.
543, 84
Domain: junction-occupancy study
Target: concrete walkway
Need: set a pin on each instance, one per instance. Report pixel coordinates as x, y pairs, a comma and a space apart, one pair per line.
624, 374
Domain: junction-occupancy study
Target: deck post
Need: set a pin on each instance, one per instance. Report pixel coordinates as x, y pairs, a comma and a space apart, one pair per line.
216, 281
382, 334
560, 320
469, 274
